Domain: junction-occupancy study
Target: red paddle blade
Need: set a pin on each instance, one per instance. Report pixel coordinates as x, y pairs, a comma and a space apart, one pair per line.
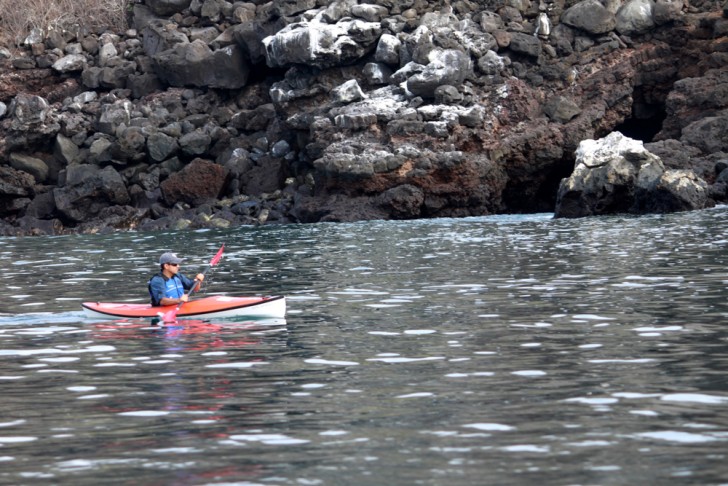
217, 256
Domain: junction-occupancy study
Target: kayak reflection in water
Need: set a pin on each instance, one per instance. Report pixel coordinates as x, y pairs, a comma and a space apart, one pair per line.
168, 286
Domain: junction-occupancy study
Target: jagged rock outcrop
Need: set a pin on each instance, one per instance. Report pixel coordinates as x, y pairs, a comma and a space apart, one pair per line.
211, 113
617, 175
320, 44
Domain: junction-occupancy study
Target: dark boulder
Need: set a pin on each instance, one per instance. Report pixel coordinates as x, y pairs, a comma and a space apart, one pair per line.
199, 182
195, 64
166, 8
88, 190
16, 189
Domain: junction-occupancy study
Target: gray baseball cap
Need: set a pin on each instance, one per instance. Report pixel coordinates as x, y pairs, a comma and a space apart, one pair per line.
169, 258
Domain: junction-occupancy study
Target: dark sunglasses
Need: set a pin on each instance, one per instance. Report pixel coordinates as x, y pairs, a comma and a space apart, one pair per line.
174, 264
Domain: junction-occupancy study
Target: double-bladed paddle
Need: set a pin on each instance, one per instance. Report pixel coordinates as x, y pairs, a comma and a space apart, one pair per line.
171, 315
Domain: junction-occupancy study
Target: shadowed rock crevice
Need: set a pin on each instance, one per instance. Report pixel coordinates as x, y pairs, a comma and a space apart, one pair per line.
646, 119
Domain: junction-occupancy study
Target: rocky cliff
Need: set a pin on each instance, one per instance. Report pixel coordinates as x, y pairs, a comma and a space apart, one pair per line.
211, 113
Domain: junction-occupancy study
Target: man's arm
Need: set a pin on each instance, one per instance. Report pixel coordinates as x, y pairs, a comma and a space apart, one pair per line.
187, 283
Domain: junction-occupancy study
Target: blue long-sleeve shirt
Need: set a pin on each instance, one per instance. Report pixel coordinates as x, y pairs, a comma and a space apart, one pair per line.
172, 288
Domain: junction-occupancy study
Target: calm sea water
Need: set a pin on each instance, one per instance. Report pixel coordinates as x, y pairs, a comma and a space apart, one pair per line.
498, 350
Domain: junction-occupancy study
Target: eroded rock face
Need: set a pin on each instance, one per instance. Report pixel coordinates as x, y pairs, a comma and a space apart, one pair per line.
218, 113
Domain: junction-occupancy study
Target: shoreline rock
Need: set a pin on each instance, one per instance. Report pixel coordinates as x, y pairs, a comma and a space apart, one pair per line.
210, 113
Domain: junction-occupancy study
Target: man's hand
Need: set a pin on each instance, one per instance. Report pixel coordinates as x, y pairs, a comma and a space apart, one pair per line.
200, 277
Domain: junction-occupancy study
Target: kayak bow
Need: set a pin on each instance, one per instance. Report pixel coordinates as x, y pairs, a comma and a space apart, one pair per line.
214, 307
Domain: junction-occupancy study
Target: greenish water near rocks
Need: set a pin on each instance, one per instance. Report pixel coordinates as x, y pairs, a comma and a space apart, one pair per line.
497, 350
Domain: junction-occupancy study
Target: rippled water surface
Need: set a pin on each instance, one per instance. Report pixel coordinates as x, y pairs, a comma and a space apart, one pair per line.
500, 350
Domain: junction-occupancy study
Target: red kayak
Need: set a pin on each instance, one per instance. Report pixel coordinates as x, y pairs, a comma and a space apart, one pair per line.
214, 307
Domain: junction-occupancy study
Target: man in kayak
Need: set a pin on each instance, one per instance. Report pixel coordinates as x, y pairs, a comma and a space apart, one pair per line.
168, 286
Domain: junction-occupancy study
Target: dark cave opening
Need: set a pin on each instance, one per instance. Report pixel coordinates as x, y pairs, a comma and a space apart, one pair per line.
645, 122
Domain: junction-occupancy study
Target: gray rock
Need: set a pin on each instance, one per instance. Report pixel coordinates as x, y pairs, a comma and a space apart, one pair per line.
603, 180
408, 70
448, 95
35, 36
28, 110
467, 36
491, 21
24, 63
113, 115
106, 53
667, 11
617, 175
369, 12
250, 35
354, 161
195, 64
288, 8
280, 149
561, 109
42, 206
491, 63
367, 112
129, 145
403, 202
635, 17
472, 117
32, 165
159, 38
91, 77
195, 143
387, 51
673, 191
116, 76
85, 196
445, 67
525, 44
70, 63
321, 45
213, 10
337, 10
161, 146
100, 151
256, 119
377, 73
166, 8
355, 121
348, 92
65, 150
143, 84
709, 134
590, 16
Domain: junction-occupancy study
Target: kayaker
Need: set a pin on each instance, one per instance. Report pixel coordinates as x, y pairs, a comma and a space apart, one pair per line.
168, 286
